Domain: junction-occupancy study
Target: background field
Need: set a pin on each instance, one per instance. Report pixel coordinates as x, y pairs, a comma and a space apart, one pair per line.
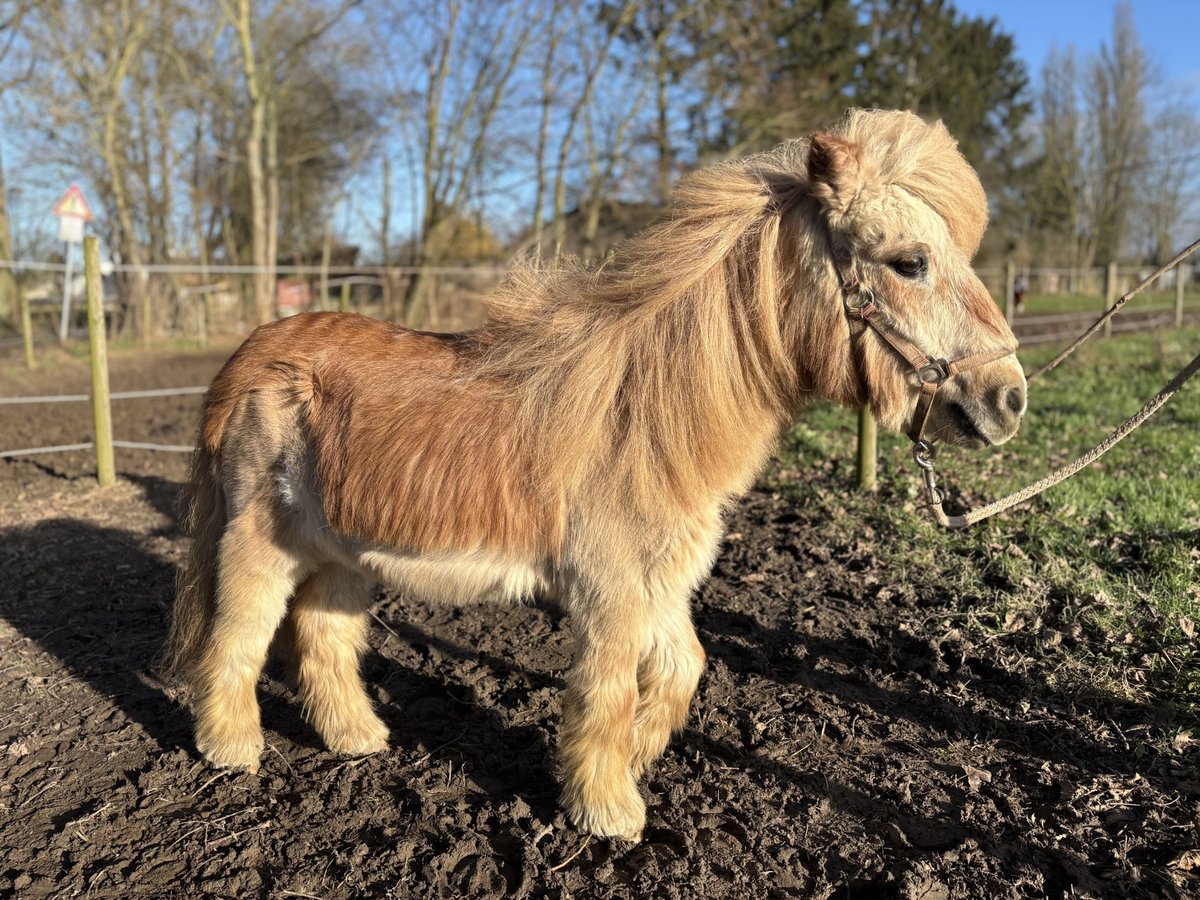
888, 710
1110, 554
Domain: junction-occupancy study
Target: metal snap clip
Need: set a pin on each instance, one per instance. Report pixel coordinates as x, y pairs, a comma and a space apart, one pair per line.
924, 453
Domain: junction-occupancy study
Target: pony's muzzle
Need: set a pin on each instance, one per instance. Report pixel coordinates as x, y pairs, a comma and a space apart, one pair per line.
999, 411
982, 409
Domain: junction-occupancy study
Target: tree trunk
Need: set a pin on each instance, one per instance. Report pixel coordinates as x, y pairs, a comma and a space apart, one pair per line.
666, 162
326, 253
263, 301
272, 192
385, 237
539, 200
258, 217
139, 296
9, 307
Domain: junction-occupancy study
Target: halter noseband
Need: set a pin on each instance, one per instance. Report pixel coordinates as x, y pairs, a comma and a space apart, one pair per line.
931, 371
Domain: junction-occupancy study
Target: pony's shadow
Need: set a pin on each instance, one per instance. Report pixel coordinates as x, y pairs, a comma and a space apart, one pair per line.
98, 599
772, 654
845, 669
162, 495
440, 715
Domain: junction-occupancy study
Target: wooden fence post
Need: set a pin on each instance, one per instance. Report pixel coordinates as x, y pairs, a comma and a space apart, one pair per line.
101, 410
147, 308
1181, 273
26, 328
867, 449
1010, 281
344, 300
1110, 294
202, 320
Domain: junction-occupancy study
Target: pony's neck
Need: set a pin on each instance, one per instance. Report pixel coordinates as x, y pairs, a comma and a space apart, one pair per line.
696, 430
669, 370
706, 380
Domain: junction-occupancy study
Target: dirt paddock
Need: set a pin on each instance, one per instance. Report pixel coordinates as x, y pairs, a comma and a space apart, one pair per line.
848, 740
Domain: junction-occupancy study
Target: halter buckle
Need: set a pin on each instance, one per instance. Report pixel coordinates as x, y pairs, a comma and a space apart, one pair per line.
934, 372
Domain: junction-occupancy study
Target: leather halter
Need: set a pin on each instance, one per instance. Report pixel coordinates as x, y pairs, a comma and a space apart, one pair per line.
932, 372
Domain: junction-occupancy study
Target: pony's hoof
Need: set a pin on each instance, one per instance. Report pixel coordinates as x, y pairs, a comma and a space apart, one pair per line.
243, 754
621, 817
361, 739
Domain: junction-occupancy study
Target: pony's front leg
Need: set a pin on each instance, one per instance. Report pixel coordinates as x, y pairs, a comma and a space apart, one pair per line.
668, 674
600, 792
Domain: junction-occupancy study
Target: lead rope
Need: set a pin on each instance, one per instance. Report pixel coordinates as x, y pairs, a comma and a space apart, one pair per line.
983, 512
924, 452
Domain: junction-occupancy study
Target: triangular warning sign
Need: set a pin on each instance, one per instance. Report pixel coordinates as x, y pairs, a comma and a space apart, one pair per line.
73, 204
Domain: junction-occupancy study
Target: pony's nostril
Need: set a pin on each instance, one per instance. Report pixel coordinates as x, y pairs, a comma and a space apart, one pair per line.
1014, 399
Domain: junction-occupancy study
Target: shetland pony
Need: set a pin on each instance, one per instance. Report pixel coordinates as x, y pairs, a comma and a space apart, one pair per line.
583, 444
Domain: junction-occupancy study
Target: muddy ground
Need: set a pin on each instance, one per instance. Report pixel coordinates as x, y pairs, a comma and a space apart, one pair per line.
849, 739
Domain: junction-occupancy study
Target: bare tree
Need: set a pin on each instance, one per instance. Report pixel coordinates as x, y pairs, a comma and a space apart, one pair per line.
592, 60
548, 51
267, 43
470, 56
1095, 143
11, 14
1166, 193
606, 139
1115, 93
81, 107
1062, 171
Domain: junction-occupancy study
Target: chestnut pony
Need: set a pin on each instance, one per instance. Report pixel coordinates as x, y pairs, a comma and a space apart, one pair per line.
583, 444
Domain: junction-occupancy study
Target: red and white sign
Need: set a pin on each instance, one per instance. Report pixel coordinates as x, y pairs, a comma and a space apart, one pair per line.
72, 210
73, 204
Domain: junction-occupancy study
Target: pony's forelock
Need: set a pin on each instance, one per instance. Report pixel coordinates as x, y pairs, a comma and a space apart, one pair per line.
923, 159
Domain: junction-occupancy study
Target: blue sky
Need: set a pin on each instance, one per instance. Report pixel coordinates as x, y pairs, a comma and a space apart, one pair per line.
1168, 29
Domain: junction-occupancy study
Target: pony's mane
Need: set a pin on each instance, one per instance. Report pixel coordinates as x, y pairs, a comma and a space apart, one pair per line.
696, 319
683, 319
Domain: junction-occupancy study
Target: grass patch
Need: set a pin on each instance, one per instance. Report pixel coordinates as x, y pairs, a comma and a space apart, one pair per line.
1046, 304
1100, 575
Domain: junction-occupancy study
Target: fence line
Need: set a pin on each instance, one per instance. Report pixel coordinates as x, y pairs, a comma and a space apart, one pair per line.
101, 397
345, 276
61, 448
1120, 326
143, 445
197, 269
124, 445
115, 395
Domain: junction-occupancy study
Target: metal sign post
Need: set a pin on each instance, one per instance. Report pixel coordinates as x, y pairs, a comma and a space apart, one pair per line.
72, 211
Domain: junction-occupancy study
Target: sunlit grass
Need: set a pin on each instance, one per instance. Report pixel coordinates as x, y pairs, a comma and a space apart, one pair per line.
1110, 557
1046, 304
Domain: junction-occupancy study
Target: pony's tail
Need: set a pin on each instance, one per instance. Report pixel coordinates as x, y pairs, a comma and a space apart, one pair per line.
202, 514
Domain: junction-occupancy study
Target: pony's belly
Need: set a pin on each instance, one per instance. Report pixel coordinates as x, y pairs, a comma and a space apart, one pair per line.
455, 577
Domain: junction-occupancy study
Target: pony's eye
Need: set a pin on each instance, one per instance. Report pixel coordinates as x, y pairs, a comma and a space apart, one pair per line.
911, 265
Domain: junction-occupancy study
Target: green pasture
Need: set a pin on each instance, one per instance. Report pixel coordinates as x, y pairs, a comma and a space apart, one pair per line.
1099, 578
1047, 304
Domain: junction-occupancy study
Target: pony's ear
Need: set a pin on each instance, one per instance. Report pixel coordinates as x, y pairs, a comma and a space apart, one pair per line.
835, 171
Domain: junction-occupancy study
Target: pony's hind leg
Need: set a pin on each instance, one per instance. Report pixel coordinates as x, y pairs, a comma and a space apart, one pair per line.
328, 622
255, 577
668, 674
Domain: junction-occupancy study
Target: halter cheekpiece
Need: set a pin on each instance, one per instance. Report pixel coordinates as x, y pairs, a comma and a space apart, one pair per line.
931, 371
